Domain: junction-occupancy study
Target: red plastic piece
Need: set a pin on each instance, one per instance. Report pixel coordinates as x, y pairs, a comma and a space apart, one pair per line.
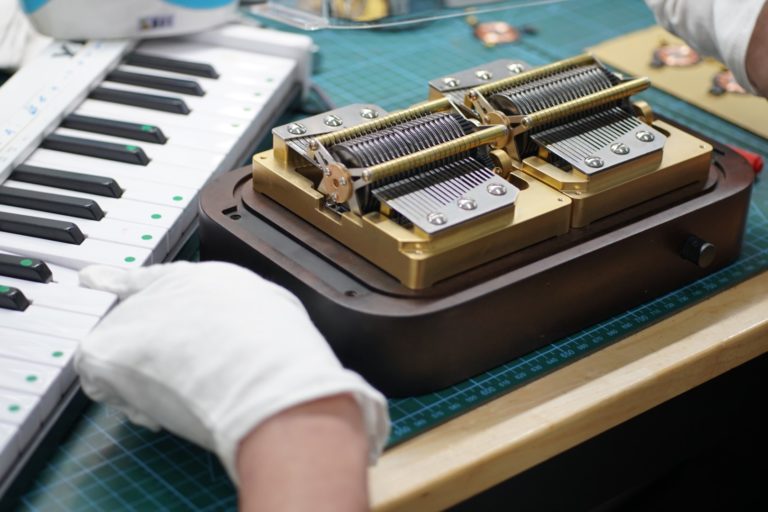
755, 160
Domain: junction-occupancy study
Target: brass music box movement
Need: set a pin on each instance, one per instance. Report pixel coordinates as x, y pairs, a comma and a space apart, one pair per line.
512, 208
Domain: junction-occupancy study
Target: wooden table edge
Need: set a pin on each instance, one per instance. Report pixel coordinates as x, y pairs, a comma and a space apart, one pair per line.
498, 440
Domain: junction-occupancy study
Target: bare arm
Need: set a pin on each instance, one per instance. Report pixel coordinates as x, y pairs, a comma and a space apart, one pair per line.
311, 457
757, 54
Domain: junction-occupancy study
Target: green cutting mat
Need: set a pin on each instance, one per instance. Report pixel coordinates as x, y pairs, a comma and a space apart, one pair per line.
108, 464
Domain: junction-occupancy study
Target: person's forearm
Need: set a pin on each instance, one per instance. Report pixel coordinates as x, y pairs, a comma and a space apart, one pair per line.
757, 54
311, 457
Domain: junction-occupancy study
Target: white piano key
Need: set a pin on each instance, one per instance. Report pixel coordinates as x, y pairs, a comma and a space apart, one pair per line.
47, 321
22, 411
155, 171
107, 230
19, 408
224, 106
59, 296
186, 137
167, 153
227, 61
44, 382
122, 208
36, 379
164, 120
91, 251
174, 196
245, 87
37, 348
9, 447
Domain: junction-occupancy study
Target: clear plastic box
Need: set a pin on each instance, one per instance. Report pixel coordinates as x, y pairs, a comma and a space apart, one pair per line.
360, 14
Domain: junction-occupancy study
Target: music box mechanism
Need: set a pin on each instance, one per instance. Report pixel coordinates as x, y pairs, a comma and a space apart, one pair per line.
499, 158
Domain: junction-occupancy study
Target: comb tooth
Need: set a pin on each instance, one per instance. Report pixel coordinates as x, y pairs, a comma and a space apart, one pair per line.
419, 195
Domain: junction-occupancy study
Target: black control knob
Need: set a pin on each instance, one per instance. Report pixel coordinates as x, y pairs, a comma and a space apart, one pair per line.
698, 251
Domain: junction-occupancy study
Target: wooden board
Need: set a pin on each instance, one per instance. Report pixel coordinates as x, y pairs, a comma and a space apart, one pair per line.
528, 426
632, 54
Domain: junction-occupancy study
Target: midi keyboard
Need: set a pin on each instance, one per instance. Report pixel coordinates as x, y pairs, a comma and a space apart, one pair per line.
104, 146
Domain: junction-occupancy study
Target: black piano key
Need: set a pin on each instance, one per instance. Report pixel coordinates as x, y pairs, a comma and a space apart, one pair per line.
80, 207
96, 148
177, 66
163, 83
86, 183
28, 269
138, 99
12, 298
38, 227
135, 131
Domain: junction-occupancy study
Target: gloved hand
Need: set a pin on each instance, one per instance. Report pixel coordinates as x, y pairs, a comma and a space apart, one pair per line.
210, 350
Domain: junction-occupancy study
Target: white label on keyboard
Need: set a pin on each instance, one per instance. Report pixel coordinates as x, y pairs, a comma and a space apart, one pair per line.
62, 74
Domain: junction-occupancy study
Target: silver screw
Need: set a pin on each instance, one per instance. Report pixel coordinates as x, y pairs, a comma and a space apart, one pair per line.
342, 181
438, 219
297, 129
451, 82
314, 145
645, 136
594, 161
335, 197
620, 148
496, 189
473, 95
332, 120
326, 172
516, 68
368, 113
466, 203
483, 74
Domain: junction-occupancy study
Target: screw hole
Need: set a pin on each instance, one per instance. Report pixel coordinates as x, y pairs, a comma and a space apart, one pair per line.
235, 216
350, 293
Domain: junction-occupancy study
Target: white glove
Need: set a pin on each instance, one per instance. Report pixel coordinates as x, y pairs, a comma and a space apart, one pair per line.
210, 350
718, 28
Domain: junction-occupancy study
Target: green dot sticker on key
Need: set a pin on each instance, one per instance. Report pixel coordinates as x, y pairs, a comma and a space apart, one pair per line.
58, 353
147, 128
26, 262
132, 148
177, 198
31, 378
14, 408
146, 237
156, 216
4, 289
129, 259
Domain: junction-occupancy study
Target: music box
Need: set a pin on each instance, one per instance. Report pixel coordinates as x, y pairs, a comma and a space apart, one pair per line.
514, 207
